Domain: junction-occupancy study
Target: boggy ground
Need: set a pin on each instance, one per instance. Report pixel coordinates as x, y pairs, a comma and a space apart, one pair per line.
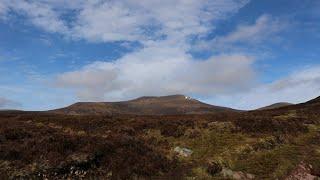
267, 144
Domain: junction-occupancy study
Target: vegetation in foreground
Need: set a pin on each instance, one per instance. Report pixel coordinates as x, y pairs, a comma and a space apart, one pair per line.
270, 144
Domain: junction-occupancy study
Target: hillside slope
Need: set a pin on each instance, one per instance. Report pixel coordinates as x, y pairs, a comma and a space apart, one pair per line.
275, 106
164, 105
280, 143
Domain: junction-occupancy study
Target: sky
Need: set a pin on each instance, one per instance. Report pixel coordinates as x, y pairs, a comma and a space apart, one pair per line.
243, 54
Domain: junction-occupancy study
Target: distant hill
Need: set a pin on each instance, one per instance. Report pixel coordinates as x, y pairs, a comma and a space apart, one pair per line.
311, 106
275, 106
164, 105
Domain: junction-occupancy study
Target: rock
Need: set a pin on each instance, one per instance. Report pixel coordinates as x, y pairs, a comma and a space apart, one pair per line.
250, 176
301, 172
238, 175
227, 173
184, 152
242, 176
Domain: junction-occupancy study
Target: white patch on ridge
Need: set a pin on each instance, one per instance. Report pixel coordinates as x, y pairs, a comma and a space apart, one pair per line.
187, 98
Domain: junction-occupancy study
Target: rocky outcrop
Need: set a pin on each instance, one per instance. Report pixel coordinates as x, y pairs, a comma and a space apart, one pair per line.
184, 152
301, 172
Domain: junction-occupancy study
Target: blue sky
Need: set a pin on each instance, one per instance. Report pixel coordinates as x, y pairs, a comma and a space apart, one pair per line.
238, 53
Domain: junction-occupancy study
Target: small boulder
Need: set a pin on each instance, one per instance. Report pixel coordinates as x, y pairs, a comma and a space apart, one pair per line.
227, 173
238, 175
184, 152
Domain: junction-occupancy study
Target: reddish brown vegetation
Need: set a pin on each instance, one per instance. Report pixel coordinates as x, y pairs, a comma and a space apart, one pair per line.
39, 144
269, 125
53, 152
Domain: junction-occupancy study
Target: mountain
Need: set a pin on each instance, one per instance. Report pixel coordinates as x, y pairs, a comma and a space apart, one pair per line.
161, 147
148, 105
310, 106
315, 101
275, 106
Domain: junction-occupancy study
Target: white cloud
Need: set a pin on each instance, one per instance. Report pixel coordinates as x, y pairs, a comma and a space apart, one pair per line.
160, 70
3, 9
264, 29
163, 65
38, 13
141, 20
132, 20
298, 87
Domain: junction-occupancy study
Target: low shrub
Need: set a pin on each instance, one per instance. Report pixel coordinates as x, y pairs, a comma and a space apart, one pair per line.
259, 124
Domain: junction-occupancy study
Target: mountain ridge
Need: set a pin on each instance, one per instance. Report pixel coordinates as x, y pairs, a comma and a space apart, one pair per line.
275, 106
146, 105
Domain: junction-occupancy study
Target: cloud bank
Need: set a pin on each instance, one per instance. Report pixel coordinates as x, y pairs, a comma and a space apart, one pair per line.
7, 103
154, 71
299, 86
167, 31
163, 65
265, 28
123, 20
